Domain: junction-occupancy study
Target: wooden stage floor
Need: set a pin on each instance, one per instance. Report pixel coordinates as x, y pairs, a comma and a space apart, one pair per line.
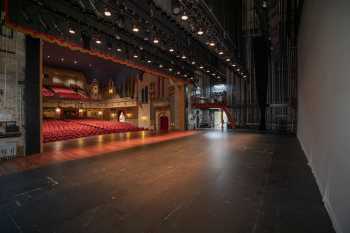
81, 148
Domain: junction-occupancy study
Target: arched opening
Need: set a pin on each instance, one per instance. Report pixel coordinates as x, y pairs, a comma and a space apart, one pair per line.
164, 123
121, 116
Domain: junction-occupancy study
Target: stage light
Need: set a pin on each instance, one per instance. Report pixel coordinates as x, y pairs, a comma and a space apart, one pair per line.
211, 44
208, 71
171, 50
98, 42
193, 63
135, 29
136, 56
221, 53
233, 65
201, 67
71, 31
183, 57
200, 32
156, 41
119, 50
228, 59
184, 17
149, 61
108, 13
264, 4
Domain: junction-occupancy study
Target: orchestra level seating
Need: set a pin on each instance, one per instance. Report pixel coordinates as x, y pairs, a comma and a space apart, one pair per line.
58, 130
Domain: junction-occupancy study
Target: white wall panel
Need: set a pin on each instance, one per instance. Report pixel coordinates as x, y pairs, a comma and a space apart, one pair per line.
324, 101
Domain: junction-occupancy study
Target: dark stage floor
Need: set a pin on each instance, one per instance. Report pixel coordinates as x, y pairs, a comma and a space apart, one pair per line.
211, 182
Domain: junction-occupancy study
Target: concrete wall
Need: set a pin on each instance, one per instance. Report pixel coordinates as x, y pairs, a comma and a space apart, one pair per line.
12, 76
324, 101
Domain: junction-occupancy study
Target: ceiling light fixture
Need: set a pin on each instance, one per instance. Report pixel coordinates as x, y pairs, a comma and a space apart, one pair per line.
184, 57
155, 41
211, 44
119, 50
200, 32
72, 31
135, 29
149, 61
184, 17
108, 13
228, 59
98, 42
171, 50
221, 53
136, 56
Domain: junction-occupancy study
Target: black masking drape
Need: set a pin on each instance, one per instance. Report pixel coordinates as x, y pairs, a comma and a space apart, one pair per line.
261, 60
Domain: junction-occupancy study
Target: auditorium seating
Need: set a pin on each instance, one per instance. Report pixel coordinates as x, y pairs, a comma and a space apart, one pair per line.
67, 93
47, 93
58, 130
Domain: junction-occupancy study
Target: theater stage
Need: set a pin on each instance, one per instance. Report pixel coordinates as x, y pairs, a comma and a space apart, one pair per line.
209, 182
75, 149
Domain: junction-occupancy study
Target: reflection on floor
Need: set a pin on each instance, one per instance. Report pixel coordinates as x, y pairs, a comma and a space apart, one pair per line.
210, 182
80, 148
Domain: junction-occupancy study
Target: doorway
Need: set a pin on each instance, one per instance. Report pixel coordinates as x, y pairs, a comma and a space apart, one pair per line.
164, 123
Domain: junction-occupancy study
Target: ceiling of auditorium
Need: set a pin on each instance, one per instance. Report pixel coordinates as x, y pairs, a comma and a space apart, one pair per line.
93, 67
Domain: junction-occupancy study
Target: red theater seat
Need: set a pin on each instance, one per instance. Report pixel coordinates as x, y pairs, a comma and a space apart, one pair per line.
58, 130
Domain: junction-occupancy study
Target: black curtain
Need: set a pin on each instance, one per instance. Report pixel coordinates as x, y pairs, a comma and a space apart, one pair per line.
261, 60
